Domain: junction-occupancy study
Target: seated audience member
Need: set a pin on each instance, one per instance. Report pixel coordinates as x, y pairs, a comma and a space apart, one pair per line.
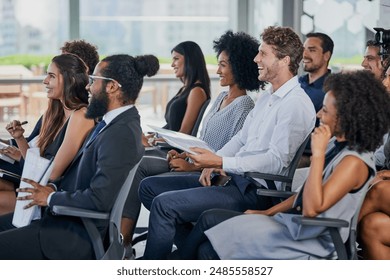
372, 60
375, 213
282, 118
94, 178
318, 49
64, 125
88, 53
182, 110
355, 104
235, 52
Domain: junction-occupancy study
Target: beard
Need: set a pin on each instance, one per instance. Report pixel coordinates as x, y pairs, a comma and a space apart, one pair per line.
98, 105
311, 68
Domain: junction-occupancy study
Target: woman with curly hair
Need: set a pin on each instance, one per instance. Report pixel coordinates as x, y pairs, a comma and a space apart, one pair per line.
356, 112
238, 72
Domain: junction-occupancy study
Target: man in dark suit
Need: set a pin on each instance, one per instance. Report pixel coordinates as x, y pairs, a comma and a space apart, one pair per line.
95, 176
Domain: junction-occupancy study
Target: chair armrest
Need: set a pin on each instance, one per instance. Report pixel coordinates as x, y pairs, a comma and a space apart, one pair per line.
79, 212
325, 222
274, 193
266, 176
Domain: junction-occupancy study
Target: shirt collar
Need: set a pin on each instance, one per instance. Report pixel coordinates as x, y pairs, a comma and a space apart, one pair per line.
317, 83
109, 116
286, 87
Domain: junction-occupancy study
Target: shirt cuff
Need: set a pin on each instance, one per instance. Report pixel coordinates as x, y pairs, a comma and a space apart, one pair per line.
49, 198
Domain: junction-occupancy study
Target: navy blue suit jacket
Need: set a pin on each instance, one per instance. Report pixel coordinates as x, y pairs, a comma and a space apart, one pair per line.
92, 182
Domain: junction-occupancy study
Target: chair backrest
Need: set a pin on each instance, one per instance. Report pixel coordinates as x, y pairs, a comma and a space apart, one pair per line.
194, 131
350, 244
116, 248
294, 164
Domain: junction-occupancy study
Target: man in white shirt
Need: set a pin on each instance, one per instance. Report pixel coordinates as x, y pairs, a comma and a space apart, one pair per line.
282, 118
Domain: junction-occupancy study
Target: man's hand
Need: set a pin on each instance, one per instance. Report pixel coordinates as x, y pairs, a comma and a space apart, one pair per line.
205, 177
205, 158
38, 193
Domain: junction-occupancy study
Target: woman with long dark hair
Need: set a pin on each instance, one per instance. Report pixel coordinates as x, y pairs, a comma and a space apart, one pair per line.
64, 125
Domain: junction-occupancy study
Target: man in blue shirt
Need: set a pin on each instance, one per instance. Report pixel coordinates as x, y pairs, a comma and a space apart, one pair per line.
318, 49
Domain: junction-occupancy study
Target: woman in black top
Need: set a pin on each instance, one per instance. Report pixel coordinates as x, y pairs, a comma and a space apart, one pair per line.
189, 66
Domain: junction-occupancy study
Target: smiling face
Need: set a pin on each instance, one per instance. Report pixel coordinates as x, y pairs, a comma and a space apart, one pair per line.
98, 96
313, 57
372, 61
178, 64
328, 114
267, 63
54, 82
225, 70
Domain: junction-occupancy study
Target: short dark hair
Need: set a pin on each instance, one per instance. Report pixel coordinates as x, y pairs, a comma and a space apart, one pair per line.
285, 42
372, 43
327, 44
241, 49
129, 72
86, 51
195, 69
362, 104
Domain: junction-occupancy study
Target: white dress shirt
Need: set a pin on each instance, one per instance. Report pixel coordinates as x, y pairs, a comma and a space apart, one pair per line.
272, 132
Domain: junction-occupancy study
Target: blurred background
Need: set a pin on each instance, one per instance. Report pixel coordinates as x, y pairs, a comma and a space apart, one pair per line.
31, 33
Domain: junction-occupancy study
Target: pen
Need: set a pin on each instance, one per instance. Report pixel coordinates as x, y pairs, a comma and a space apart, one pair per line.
22, 123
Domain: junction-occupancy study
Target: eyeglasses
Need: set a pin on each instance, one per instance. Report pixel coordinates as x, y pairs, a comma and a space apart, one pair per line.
92, 79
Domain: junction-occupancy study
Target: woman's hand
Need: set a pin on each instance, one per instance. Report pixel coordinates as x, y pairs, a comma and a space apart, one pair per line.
320, 139
181, 165
173, 154
381, 176
15, 129
257, 212
12, 152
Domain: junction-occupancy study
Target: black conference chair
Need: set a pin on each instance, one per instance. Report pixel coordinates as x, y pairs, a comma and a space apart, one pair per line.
285, 191
195, 129
345, 250
115, 249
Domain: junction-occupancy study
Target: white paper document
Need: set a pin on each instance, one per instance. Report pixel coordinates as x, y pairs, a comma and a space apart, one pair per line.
180, 140
37, 169
4, 157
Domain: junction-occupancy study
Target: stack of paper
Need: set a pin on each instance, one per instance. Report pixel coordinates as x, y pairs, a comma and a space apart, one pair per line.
37, 169
180, 140
4, 157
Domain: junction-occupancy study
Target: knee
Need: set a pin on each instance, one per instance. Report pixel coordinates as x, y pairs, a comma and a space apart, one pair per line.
145, 190
370, 226
208, 219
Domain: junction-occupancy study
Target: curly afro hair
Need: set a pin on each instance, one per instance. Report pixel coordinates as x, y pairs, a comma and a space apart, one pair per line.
362, 104
241, 49
86, 51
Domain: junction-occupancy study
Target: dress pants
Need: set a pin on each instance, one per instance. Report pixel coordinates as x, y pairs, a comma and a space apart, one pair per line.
177, 200
19, 243
196, 245
151, 164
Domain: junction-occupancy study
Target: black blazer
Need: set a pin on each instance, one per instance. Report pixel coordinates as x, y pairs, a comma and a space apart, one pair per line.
92, 182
